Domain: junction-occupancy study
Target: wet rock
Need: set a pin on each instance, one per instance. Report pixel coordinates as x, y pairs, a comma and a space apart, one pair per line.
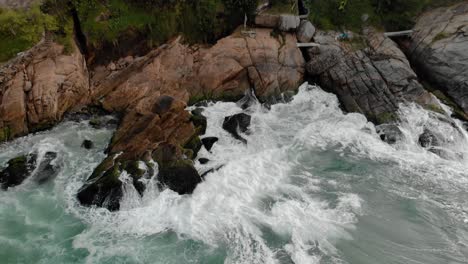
138, 174
305, 32
203, 160
103, 188
17, 170
208, 142
199, 120
389, 133
248, 100
87, 144
237, 123
175, 172
180, 176
370, 75
47, 170
194, 145
429, 139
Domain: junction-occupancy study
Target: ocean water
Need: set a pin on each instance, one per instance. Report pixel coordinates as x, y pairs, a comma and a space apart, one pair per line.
313, 185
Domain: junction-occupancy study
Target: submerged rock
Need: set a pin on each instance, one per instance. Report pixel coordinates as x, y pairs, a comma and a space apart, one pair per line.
389, 133
17, 171
208, 142
429, 139
47, 170
87, 144
237, 123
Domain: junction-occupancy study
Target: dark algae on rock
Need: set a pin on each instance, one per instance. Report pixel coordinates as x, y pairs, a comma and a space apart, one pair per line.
17, 170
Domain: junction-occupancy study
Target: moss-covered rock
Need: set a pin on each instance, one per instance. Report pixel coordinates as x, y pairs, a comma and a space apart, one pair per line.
199, 120
103, 188
194, 144
386, 118
17, 171
4, 134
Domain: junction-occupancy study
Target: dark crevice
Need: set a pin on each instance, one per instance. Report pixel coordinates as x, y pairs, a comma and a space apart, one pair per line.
79, 35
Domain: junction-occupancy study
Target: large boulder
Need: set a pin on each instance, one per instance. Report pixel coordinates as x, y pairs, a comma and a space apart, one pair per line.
176, 172
39, 87
181, 177
439, 51
369, 74
17, 171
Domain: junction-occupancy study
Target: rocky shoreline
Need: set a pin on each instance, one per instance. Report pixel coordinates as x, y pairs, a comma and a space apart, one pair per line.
369, 73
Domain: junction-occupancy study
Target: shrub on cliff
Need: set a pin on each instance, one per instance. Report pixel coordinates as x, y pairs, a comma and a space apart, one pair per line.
391, 14
21, 29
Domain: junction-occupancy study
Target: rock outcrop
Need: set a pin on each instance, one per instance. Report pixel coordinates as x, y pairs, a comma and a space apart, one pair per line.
39, 87
370, 75
439, 51
17, 171
152, 92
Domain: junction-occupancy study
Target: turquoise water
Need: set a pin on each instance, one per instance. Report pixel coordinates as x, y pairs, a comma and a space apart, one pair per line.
313, 185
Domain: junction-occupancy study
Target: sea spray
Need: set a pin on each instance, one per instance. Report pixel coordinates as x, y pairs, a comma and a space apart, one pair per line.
313, 185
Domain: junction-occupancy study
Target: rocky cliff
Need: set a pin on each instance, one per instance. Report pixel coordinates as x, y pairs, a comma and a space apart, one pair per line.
369, 74
439, 51
39, 86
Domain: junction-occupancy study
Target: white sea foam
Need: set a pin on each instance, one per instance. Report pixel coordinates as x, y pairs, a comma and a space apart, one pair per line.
291, 195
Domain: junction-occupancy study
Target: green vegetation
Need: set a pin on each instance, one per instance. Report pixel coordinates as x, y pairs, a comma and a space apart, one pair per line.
21, 29
5, 134
386, 117
112, 24
440, 36
392, 15
283, 6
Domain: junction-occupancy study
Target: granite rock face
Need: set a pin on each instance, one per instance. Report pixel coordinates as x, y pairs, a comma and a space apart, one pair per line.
439, 51
39, 87
153, 91
370, 75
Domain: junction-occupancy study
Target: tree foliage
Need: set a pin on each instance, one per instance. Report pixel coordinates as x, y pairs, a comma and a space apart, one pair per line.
21, 29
